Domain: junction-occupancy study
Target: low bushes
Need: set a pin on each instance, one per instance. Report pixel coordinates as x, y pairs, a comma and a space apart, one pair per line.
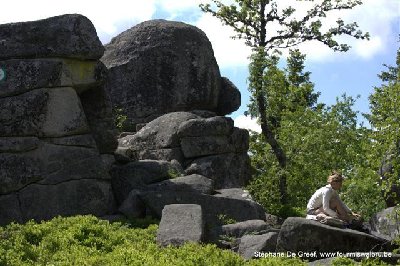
86, 240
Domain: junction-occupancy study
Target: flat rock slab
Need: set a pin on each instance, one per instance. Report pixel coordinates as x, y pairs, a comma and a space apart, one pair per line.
302, 235
180, 223
69, 36
28, 74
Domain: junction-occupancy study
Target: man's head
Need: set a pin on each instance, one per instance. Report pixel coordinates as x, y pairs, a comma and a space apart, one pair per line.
335, 180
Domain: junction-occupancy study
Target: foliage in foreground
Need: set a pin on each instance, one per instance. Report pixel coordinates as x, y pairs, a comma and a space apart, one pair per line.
86, 240
366, 262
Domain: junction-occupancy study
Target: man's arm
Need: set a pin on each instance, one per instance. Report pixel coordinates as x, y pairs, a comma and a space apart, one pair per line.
326, 197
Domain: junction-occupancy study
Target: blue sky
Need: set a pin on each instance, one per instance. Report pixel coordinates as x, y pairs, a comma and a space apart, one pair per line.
353, 73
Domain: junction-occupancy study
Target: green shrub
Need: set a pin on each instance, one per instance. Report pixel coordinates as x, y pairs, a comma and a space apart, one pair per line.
365, 262
225, 219
86, 240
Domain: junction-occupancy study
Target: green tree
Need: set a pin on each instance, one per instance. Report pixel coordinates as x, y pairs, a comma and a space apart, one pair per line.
385, 120
316, 140
251, 20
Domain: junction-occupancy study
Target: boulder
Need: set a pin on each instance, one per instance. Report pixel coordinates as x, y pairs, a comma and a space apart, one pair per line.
229, 97
185, 135
161, 133
251, 244
69, 198
24, 75
238, 230
161, 66
230, 170
43, 113
303, 235
180, 223
138, 174
386, 222
67, 36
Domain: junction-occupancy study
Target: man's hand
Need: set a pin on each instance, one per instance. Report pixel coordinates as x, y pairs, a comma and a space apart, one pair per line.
355, 216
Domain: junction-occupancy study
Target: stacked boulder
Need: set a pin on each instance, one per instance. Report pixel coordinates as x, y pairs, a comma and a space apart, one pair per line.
211, 146
160, 66
186, 158
182, 149
49, 160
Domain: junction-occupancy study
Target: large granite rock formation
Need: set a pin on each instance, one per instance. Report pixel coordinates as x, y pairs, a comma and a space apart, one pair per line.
211, 147
162, 66
49, 161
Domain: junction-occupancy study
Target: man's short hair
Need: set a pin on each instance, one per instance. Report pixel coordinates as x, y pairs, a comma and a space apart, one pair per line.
335, 177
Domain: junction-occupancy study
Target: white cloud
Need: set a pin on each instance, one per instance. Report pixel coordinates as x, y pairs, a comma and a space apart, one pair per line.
178, 6
375, 17
228, 52
246, 122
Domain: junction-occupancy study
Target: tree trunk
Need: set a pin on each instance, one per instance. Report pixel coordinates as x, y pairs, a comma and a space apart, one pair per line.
276, 148
265, 129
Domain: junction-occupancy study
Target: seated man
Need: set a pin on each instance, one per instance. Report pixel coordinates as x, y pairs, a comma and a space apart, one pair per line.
326, 201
